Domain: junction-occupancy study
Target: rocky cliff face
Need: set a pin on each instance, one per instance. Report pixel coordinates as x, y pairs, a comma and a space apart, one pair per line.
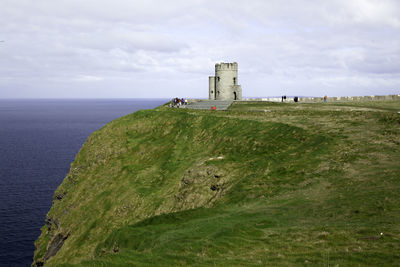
139, 166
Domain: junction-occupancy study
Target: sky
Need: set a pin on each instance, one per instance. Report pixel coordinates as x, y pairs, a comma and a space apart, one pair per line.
168, 48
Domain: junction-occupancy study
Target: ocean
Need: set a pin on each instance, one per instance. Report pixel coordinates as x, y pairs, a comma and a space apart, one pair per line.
38, 141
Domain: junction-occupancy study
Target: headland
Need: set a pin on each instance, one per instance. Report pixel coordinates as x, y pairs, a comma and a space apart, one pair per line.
262, 183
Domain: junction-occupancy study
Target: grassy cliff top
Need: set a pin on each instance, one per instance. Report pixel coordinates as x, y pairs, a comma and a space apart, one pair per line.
261, 183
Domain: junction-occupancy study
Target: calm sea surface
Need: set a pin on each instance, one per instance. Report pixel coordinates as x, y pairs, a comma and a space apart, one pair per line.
38, 141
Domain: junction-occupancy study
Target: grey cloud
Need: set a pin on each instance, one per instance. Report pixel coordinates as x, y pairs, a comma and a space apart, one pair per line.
167, 48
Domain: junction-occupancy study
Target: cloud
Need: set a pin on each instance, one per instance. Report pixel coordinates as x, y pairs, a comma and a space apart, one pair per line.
88, 78
166, 48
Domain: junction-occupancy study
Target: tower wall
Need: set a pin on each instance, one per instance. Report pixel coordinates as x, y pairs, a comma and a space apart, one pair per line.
226, 82
211, 88
237, 92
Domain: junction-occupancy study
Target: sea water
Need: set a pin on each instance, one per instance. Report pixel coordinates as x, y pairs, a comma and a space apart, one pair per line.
38, 141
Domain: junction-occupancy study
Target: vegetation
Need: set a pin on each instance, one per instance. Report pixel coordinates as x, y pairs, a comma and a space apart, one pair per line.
260, 184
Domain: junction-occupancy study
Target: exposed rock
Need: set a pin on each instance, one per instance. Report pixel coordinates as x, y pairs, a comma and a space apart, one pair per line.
55, 245
51, 223
38, 264
201, 185
179, 197
215, 187
59, 196
186, 181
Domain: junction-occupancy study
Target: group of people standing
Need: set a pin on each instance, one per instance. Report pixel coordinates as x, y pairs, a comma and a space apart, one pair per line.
176, 102
295, 99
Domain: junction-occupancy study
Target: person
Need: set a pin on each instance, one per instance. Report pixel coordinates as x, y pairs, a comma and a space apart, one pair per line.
325, 98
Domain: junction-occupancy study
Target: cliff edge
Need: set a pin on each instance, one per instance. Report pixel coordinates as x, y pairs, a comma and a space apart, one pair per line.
261, 183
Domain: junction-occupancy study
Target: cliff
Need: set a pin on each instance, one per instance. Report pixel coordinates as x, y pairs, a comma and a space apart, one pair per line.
262, 183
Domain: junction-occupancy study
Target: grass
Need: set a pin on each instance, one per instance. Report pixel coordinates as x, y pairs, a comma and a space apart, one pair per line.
260, 184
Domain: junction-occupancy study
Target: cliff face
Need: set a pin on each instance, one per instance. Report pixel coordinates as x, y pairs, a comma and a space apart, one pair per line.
240, 187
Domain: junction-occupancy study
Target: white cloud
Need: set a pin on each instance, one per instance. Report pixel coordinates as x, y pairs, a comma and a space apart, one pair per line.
88, 78
166, 48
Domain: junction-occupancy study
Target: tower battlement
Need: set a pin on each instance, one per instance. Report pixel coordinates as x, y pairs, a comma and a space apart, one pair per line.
226, 66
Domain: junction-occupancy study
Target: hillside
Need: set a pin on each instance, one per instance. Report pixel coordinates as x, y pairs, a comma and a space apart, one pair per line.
261, 183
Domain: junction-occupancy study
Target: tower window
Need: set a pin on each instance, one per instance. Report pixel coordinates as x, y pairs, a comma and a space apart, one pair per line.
217, 78
234, 80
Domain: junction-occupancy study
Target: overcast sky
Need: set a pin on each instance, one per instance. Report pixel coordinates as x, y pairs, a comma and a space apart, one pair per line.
168, 48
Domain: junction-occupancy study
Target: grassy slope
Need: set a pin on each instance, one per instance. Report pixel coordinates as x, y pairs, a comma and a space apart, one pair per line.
294, 184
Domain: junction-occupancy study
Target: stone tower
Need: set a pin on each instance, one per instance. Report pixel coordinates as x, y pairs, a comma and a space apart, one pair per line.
224, 85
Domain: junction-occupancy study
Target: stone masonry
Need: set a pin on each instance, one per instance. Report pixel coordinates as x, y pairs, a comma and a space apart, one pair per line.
224, 85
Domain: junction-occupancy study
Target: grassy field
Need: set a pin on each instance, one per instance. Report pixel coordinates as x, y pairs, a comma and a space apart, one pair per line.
260, 184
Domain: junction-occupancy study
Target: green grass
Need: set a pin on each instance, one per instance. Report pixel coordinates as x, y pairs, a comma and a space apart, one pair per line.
260, 184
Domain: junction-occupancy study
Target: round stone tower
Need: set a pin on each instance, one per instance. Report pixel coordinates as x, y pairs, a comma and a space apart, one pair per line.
224, 86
